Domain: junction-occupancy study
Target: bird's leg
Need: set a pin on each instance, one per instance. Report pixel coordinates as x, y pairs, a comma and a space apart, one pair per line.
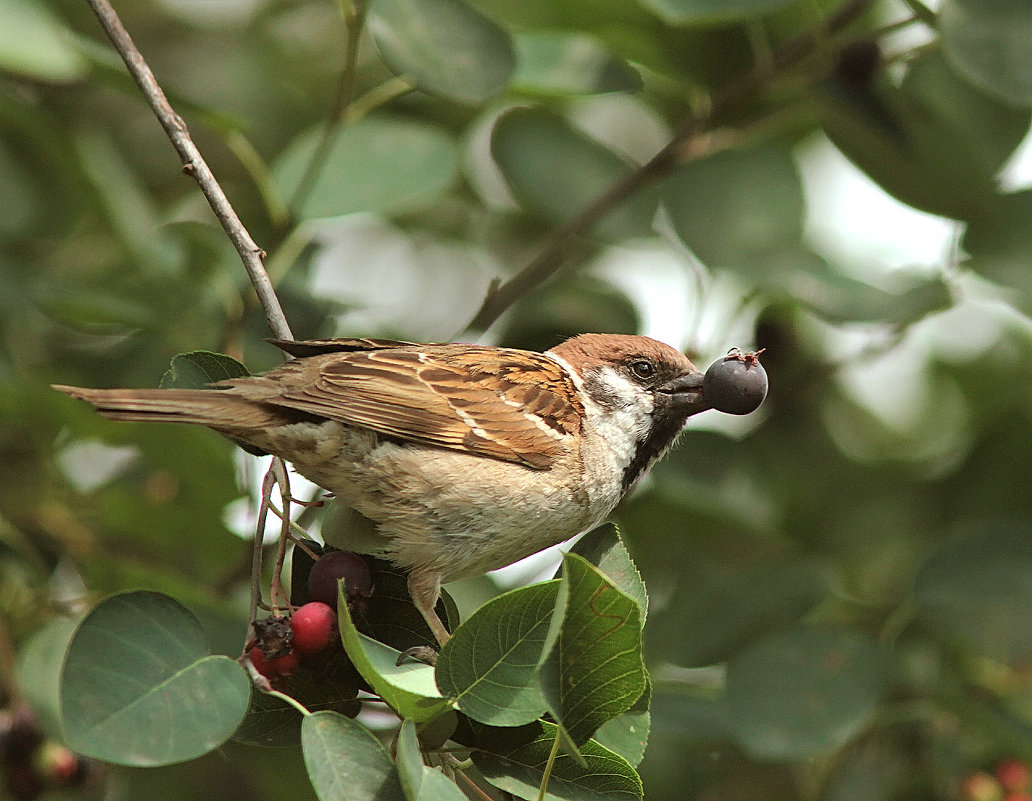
425, 589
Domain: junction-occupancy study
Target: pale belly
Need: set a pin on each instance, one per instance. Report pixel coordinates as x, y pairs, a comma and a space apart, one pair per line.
448, 511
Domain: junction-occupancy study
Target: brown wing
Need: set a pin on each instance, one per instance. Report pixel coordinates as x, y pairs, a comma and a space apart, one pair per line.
314, 347
504, 404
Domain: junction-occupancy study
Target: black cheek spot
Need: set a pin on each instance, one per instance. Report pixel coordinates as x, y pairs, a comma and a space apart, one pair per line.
602, 393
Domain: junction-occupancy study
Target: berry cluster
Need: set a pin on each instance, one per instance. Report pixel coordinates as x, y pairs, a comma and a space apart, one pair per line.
1009, 780
33, 764
282, 643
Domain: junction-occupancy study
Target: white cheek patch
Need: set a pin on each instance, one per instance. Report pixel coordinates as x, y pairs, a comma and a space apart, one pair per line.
626, 418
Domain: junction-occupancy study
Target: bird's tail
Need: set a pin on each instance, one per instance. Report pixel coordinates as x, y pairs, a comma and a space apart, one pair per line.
201, 406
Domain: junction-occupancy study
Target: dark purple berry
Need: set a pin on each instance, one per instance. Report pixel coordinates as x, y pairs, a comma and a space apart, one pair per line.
736, 384
322, 580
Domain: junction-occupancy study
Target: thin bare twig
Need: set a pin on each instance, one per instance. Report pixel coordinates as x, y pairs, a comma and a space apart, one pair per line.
195, 165
724, 103
256, 553
280, 471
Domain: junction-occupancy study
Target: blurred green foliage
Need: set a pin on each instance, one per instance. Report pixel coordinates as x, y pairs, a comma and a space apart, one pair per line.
839, 588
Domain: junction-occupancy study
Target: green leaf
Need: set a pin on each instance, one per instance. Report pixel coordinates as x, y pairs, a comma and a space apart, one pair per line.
628, 733
595, 669
1000, 245
990, 42
329, 684
36, 45
733, 207
489, 665
444, 47
139, 687
409, 760
724, 607
438, 787
199, 369
604, 548
684, 12
803, 692
976, 589
935, 142
409, 688
566, 63
557, 171
378, 164
603, 775
38, 670
345, 761
839, 298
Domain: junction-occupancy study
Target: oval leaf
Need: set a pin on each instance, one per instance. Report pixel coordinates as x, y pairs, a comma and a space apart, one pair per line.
444, 47
200, 368
1000, 246
39, 670
803, 692
990, 41
35, 44
599, 774
489, 665
438, 787
734, 206
139, 687
563, 63
378, 164
595, 669
977, 588
409, 688
409, 760
604, 548
628, 733
345, 761
556, 172
935, 142
682, 12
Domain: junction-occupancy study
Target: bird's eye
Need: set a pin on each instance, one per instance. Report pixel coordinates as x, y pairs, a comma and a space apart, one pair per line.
643, 369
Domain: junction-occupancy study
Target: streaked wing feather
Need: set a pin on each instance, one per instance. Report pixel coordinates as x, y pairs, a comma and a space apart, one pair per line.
441, 395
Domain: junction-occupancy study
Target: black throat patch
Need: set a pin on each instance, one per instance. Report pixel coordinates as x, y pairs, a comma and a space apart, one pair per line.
664, 432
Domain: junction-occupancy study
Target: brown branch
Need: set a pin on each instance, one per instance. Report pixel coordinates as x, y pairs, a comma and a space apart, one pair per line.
724, 103
195, 165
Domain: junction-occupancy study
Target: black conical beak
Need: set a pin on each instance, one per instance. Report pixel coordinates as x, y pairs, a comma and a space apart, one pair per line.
685, 393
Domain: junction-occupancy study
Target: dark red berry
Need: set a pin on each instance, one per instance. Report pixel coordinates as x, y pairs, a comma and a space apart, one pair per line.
736, 384
1014, 775
276, 667
314, 626
352, 568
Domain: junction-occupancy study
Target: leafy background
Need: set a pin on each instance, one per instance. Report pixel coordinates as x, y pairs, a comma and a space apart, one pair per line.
839, 584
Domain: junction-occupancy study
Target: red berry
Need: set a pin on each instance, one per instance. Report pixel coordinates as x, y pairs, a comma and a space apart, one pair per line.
352, 568
56, 762
314, 626
1014, 775
275, 667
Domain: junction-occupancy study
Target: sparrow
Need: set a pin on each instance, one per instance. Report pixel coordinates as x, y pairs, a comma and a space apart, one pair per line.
466, 458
